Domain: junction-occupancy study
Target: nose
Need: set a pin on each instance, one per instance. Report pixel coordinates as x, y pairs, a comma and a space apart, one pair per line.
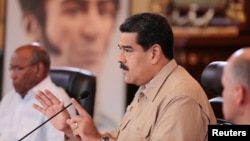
13, 75
91, 25
121, 57
90, 34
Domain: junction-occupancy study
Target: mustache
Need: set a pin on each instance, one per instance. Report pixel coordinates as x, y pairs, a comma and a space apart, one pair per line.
124, 67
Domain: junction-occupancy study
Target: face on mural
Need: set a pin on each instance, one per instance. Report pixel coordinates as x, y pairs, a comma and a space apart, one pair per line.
78, 31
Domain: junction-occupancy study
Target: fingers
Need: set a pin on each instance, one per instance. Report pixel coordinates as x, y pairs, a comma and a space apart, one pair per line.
48, 102
77, 127
37, 107
82, 125
52, 97
46, 98
73, 123
79, 108
43, 99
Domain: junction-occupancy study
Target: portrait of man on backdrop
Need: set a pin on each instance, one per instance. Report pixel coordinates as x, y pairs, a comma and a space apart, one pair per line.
75, 33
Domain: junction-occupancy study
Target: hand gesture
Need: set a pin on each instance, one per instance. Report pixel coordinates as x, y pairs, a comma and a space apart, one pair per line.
50, 106
82, 125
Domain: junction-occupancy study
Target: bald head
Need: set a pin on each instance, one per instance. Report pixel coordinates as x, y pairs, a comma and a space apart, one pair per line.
29, 65
35, 53
236, 87
243, 53
238, 66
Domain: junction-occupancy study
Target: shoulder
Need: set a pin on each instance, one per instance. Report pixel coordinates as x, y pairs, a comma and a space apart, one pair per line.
9, 95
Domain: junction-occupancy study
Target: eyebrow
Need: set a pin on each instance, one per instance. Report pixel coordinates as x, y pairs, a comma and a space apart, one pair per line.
68, 1
125, 46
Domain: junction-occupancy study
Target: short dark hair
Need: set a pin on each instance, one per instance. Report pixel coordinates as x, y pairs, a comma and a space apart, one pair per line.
152, 28
37, 7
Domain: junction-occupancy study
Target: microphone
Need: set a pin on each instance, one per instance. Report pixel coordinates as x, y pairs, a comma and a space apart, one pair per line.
83, 95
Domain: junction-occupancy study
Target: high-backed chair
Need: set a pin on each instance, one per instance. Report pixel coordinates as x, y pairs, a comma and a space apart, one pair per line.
211, 82
75, 81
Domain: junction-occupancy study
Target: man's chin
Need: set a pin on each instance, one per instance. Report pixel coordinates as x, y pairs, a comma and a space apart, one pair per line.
127, 80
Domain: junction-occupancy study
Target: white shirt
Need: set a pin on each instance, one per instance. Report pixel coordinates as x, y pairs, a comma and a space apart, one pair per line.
18, 117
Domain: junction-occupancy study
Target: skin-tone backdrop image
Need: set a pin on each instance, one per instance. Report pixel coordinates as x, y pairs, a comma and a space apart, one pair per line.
77, 33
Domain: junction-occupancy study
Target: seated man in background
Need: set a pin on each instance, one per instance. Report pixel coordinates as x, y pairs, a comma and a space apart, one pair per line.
170, 105
236, 84
29, 68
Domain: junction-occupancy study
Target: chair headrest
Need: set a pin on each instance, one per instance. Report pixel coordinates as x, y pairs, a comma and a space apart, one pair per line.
211, 78
75, 81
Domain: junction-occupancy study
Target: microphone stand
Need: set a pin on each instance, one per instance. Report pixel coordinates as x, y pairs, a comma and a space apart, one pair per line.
45, 122
83, 95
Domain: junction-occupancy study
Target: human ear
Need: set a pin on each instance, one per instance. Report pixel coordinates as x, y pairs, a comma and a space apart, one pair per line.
40, 69
156, 51
31, 27
240, 94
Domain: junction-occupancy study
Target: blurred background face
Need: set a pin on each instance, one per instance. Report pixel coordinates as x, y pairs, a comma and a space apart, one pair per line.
79, 30
22, 72
229, 108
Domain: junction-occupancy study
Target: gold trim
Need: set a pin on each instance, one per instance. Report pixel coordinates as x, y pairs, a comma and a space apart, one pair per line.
2, 23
